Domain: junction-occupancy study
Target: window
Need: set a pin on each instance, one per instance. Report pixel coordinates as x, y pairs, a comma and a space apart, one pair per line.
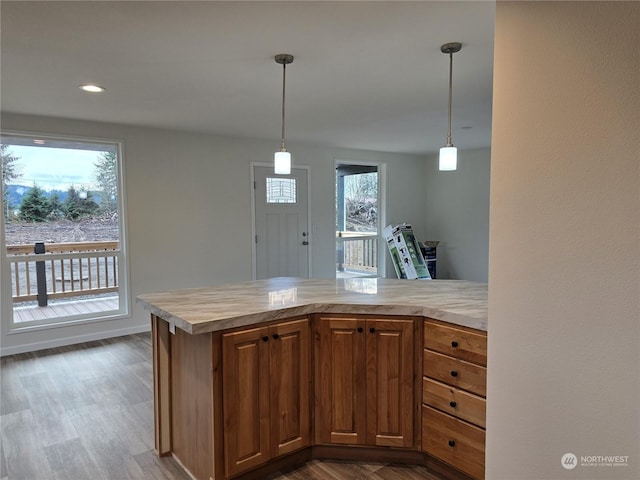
63, 207
358, 223
281, 190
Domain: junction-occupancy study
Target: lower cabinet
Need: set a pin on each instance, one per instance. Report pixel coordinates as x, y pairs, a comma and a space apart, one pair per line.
453, 395
364, 381
266, 393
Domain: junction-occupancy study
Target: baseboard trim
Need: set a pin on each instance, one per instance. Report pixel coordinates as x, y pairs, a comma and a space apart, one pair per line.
65, 341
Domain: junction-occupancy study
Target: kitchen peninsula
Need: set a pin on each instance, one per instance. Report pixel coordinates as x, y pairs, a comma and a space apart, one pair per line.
258, 376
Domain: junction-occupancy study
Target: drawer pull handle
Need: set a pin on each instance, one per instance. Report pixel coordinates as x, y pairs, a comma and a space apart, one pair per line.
454, 344
276, 336
372, 330
360, 329
265, 339
454, 373
453, 404
452, 443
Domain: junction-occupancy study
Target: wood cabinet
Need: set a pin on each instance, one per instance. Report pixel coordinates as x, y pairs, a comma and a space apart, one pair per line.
266, 393
237, 404
453, 395
364, 381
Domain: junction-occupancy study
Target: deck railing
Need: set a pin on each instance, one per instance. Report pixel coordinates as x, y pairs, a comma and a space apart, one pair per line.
357, 253
44, 271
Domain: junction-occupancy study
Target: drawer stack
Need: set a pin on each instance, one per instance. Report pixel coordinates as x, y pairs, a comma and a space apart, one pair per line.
453, 396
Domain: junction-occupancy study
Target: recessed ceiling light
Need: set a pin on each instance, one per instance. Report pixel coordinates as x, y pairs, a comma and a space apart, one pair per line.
92, 88
38, 141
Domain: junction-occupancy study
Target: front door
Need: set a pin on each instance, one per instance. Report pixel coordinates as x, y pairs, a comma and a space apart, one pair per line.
281, 223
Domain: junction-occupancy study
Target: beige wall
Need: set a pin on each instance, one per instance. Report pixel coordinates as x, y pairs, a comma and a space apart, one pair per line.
457, 214
564, 272
189, 210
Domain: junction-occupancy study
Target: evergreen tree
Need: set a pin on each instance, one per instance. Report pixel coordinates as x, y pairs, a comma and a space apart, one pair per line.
35, 206
78, 204
56, 207
9, 174
107, 179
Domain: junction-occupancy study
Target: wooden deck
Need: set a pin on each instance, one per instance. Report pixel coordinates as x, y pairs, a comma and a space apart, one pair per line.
33, 313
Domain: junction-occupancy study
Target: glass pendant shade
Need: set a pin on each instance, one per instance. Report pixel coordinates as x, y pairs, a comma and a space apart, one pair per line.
448, 158
282, 163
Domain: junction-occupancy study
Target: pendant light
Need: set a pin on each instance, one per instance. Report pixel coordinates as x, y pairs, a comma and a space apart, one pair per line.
449, 153
282, 158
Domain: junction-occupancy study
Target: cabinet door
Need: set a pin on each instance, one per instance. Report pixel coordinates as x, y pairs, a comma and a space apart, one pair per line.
245, 374
390, 390
290, 365
341, 381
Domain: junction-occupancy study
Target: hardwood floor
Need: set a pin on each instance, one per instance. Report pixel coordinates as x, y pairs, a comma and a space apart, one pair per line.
85, 412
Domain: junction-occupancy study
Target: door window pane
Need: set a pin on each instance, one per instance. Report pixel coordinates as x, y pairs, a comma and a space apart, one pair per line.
281, 190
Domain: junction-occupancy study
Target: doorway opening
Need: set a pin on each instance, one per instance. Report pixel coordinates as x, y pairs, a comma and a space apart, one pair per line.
359, 216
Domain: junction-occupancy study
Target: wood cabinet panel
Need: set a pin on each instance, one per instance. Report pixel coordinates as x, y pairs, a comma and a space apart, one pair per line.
365, 382
191, 402
454, 441
390, 382
340, 381
454, 401
290, 366
456, 341
458, 373
245, 357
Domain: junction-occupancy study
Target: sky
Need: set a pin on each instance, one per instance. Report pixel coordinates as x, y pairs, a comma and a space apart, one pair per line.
55, 168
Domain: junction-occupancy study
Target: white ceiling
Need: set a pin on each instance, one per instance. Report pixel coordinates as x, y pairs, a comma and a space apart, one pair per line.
366, 75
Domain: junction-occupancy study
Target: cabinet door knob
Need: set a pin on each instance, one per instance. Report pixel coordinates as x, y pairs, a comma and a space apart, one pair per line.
360, 329
453, 404
265, 339
454, 344
454, 373
372, 330
276, 336
452, 443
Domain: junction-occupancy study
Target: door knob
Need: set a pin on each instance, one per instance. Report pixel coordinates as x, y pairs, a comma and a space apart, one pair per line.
304, 242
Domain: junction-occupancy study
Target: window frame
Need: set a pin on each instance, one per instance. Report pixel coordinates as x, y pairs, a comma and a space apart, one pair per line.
123, 263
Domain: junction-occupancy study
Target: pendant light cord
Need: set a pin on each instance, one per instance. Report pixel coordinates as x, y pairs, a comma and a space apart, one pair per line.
284, 75
449, 144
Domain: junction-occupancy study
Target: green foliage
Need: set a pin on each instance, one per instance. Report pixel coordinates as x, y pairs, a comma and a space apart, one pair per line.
78, 204
57, 210
107, 179
9, 174
35, 206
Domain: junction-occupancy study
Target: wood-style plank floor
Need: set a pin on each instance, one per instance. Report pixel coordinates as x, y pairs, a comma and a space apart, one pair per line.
85, 412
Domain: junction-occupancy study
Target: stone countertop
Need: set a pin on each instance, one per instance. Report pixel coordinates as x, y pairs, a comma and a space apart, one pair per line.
202, 310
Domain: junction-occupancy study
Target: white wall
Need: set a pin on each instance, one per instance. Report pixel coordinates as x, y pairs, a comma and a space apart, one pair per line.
457, 214
564, 262
188, 193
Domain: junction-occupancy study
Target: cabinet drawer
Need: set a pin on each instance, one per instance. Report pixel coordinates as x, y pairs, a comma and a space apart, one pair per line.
456, 342
453, 441
454, 401
458, 373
